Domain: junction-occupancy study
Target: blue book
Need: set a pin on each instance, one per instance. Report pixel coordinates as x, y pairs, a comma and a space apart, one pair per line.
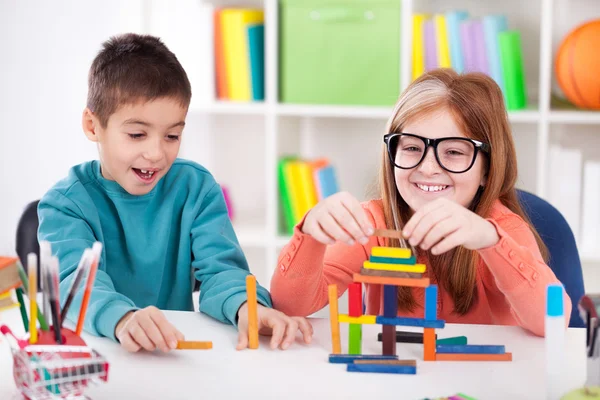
492, 26
326, 182
256, 50
453, 20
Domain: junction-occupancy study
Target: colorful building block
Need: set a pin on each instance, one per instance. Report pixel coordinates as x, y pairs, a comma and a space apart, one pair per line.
350, 358
429, 344
390, 274
252, 312
473, 357
393, 260
418, 268
336, 346
355, 299
382, 368
407, 337
390, 301
423, 323
363, 319
354, 339
395, 252
469, 349
431, 296
412, 363
388, 344
382, 280
452, 340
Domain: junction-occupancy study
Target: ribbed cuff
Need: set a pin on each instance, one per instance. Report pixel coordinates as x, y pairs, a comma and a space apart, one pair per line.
233, 304
108, 318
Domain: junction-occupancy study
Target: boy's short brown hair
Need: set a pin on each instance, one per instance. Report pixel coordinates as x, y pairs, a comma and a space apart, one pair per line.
133, 67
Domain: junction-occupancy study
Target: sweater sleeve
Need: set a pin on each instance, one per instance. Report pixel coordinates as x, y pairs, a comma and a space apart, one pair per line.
63, 224
306, 268
519, 272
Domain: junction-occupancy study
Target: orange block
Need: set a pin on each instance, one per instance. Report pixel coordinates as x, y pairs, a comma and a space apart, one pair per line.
189, 345
333, 319
252, 312
473, 357
384, 280
429, 344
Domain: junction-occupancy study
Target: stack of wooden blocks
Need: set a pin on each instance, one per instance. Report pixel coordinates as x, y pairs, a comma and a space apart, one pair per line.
392, 268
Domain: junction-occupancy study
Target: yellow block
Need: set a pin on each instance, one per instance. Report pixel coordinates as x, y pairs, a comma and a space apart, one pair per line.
419, 268
396, 252
363, 319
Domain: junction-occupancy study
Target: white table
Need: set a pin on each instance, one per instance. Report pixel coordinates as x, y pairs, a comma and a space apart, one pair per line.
303, 372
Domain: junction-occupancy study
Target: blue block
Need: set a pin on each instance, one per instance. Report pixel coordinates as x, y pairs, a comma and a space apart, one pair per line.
420, 322
383, 368
431, 294
349, 358
393, 260
469, 349
390, 301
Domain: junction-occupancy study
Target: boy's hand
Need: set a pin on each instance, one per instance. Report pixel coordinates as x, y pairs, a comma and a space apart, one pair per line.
272, 322
442, 225
147, 328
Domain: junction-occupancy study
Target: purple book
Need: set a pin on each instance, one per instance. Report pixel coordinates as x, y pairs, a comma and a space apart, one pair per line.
466, 41
478, 38
431, 61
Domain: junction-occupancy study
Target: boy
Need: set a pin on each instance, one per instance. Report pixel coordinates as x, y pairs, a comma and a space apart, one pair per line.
159, 218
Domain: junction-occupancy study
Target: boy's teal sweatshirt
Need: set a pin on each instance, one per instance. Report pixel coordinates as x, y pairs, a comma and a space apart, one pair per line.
154, 246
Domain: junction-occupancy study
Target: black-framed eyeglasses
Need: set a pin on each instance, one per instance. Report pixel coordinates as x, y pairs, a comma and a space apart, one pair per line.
454, 154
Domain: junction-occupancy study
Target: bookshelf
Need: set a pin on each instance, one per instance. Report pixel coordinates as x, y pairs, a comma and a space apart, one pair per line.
255, 135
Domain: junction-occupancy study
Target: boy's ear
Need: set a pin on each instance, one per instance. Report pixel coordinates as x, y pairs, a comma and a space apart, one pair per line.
90, 125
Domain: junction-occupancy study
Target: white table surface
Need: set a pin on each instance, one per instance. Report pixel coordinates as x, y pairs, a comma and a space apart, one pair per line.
303, 372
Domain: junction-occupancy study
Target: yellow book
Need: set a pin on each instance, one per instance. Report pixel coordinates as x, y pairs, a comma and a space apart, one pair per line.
308, 185
441, 37
303, 188
234, 24
7, 301
290, 174
418, 268
395, 252
418, 53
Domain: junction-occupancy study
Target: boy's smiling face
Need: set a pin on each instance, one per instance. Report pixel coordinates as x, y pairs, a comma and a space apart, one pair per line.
139, 143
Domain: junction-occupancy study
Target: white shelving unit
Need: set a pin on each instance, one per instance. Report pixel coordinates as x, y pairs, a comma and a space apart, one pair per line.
269, 129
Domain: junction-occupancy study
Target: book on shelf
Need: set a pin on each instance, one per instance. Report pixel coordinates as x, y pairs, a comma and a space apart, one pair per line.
302, 184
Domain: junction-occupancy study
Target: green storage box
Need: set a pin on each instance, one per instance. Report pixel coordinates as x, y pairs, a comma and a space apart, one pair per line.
343, 52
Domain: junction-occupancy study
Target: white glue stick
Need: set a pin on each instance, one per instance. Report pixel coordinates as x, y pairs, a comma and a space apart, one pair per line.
555, 342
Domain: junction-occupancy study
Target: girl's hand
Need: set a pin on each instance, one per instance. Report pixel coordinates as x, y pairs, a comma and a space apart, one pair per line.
339, 217
282, 328
442, 225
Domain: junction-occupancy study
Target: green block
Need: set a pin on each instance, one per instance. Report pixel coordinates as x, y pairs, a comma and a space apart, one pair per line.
461, 340
355, 339
392, 260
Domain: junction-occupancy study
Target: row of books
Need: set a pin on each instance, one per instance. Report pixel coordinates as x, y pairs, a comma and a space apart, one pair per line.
302, 184
454, 40
239, 48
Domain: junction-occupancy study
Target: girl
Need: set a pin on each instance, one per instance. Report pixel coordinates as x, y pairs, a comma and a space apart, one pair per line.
447, 180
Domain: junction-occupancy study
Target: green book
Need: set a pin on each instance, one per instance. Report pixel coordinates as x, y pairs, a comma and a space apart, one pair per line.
513, 71
286, 214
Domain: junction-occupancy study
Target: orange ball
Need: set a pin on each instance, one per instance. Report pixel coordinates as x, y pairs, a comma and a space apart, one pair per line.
578, 65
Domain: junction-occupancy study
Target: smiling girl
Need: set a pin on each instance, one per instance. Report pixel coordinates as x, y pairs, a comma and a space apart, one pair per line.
447, 181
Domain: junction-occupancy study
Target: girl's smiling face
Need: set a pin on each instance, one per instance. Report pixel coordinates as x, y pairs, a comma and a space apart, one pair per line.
428, 180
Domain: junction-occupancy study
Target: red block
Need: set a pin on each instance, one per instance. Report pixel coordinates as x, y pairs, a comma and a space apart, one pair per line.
355, 307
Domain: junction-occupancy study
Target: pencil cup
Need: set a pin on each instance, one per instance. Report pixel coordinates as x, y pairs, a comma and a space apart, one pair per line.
69, 338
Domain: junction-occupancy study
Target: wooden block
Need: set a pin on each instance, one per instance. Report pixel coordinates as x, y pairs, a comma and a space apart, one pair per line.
420, 322
388, 345
355, 299
390, 301
390, 274
190, 345
9, 274
412, 363
429, 344
252, 312
396, 252
388, 233
336, 345
473, 357
363, 319
469, 349
431, 295
418, 268
382, 368
406, 337
350, 358
354, 339
452, 340
382, 280
393, 260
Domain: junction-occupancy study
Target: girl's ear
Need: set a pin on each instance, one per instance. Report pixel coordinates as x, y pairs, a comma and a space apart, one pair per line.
90, 125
